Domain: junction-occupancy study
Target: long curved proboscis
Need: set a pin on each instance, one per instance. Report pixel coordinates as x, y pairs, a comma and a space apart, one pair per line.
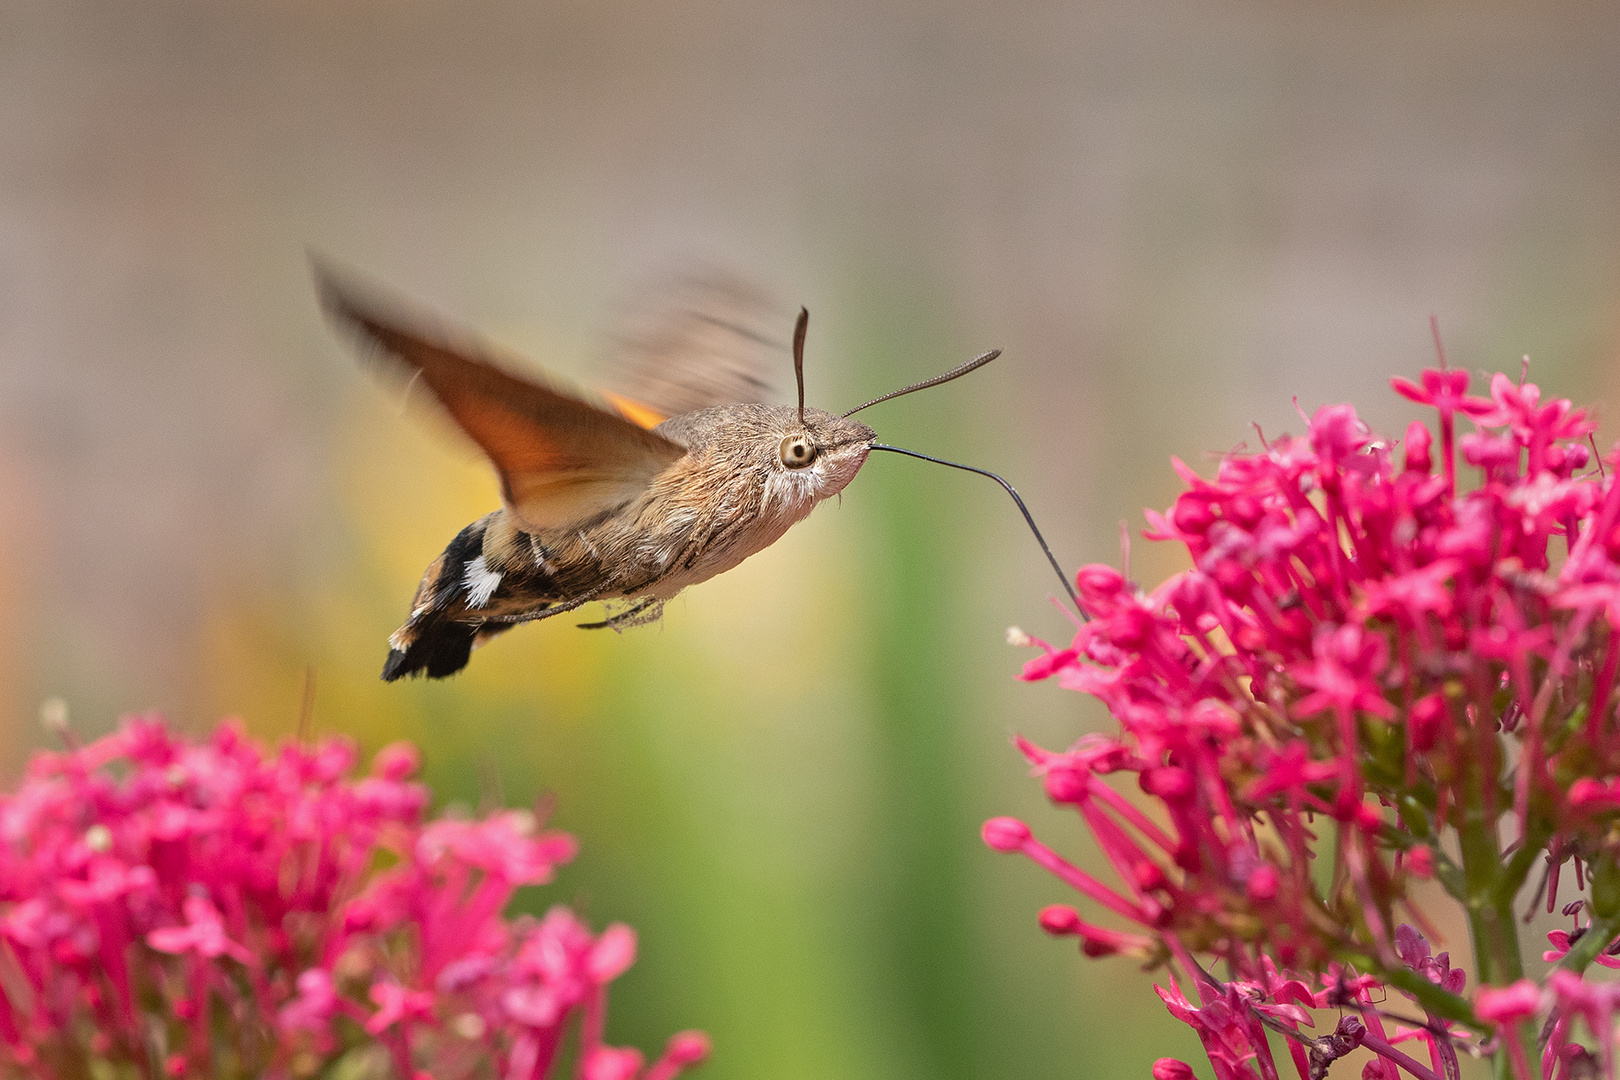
955, 373
1008, 488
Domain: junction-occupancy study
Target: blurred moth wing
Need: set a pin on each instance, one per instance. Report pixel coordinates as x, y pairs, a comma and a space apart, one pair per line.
695, 340
561, 460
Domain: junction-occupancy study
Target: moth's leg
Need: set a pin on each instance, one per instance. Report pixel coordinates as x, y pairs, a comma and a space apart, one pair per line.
543, 613
635, 615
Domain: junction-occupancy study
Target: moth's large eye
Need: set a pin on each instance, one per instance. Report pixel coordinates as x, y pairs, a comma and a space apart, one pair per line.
798, 451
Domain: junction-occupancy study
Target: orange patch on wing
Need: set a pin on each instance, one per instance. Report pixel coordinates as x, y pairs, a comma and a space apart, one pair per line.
634, 411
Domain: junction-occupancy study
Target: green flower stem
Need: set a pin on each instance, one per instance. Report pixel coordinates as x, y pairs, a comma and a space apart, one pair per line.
1518, 866
1490, 918
1509, 880
1492, 883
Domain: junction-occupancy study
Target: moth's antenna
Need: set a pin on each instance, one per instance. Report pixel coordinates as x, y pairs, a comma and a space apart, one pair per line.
955, 373
1057, 569
799, 329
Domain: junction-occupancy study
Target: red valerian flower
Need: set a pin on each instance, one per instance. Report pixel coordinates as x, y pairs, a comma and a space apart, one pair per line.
225, 912
1367, 667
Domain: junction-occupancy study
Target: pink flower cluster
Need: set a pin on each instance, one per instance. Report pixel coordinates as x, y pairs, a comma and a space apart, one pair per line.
207, 909
1375, 669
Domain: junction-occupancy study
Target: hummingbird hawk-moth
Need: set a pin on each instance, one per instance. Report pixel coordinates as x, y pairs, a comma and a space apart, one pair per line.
626, 501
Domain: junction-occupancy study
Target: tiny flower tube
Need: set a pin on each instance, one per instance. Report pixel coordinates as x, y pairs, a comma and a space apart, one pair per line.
1011, 835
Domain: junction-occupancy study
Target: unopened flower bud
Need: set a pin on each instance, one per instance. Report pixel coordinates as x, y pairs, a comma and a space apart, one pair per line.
1168, 783
1005, 833
1192, 514
1129, 627
1263, 883
1368, 816
611, 1063
396, 761
1148, 875
1428, 717
1099, 580
687, 1048
1066, 785
1060, 919
1244, 510
1171, 1069
1418, 441
1095, 947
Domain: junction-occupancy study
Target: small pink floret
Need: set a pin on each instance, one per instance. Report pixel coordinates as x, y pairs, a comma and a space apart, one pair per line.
1067, 785
611, 1063
396, 761
1263, 883
612, 954
1508, 1004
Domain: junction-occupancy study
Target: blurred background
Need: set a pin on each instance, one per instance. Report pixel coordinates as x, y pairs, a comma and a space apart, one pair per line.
1173, 216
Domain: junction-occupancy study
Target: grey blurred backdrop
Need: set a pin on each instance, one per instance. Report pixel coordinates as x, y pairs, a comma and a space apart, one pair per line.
1173, 217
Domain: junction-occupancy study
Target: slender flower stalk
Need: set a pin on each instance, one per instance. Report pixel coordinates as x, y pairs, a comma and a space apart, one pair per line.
1376, 672
178, 909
